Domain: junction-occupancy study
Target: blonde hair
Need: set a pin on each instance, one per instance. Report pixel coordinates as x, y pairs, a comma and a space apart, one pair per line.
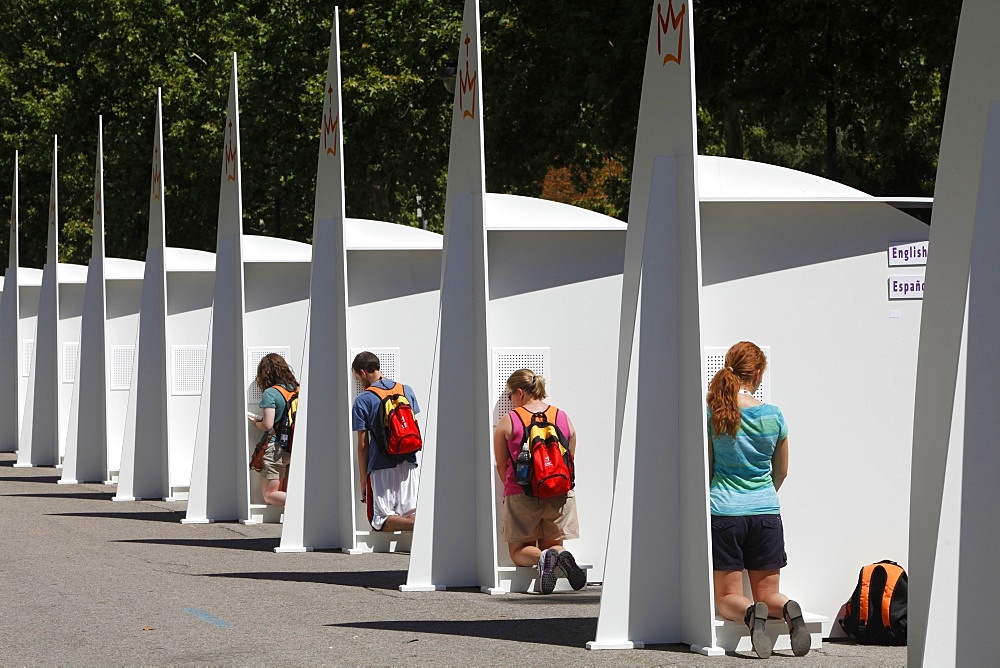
532, 383
743, 360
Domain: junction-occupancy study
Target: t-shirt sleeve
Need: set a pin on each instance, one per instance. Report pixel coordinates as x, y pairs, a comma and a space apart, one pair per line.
412, 398
361, 411
782, 427
269, 398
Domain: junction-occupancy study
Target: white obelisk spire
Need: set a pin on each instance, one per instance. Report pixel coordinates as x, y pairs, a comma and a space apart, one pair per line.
454, 540
144, 466
10, 352
220, 476
319, 508
952, 586
86, 458
39, 441
662, 457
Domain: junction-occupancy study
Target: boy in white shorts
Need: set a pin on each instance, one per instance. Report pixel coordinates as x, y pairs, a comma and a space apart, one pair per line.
388, 484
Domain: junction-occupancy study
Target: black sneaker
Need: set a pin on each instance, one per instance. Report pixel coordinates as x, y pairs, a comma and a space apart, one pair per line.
577, 576
756, 619
547, 570
797, 631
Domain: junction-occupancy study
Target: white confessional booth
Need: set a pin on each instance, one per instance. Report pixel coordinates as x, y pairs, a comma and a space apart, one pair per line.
53, 368
393, 292
555, 282
116, 331
805, 268
17, 349
276, 305
178, 348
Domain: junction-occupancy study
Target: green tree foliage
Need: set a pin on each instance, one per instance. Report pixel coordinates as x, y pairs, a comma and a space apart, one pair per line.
854, 93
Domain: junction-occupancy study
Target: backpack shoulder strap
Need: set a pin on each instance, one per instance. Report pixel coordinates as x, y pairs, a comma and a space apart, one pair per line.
524, 415
286, 393
382, 393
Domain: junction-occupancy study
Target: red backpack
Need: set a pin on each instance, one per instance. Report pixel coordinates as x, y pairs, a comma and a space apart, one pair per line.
552, 469
396, 429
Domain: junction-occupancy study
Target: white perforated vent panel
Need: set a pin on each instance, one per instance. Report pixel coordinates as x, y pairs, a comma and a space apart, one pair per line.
388, 362
71, 361
254, 356
187, 366
122, 358
27, 352
715, 359
508, 360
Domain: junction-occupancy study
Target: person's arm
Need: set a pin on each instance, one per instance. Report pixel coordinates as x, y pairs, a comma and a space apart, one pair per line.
779, 463
711, 459
363, 463
501, 455
267, 422
572, 437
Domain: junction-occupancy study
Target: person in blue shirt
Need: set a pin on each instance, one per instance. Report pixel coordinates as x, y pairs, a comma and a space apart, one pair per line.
748, 462
272, 372
388, 484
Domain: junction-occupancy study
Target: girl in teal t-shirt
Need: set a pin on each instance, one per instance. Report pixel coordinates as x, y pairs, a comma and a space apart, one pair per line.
748, 461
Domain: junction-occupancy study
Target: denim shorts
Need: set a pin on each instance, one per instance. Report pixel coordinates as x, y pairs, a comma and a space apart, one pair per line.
751, 542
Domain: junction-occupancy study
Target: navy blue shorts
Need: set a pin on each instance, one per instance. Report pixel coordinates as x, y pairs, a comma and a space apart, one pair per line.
751, 542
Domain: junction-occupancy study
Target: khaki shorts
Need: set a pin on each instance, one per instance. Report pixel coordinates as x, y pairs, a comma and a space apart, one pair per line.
527, 519
275, 464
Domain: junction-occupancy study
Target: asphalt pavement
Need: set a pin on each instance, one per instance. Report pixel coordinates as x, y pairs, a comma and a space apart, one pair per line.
91, 582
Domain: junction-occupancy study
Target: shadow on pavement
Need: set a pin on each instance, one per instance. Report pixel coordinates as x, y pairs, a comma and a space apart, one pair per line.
174, 516
251, 544
47, 479
83, 496
564, 631
371, 579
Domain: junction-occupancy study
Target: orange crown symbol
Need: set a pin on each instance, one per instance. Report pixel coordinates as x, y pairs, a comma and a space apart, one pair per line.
230, 152
331, 125
666, 26
467, 86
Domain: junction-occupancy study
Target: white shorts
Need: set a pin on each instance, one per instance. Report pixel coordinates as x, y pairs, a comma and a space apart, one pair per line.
392, 492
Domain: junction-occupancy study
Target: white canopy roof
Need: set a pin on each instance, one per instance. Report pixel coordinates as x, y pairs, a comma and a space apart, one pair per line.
120, 269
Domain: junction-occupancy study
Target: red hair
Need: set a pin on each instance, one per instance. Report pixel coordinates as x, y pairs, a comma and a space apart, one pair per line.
743, 360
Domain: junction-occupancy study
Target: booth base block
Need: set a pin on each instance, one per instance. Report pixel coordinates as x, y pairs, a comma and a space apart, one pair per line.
113, 481
292, 550
112, 478
524, 579
197, 521
261, 513
20, 465
405, 587
125, 498
735, 636
178, 494
383, 541
352, 550
714, 650
625, 644
61, 481
493, 591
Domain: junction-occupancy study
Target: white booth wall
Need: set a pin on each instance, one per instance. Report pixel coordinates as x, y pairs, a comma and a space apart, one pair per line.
29, 289
555, 282
808, 282
190, 277
276, 288
392, 297
71, 287
123, 290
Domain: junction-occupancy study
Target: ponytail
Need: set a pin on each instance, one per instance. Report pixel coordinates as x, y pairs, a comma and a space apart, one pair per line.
743, 360
532, 383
